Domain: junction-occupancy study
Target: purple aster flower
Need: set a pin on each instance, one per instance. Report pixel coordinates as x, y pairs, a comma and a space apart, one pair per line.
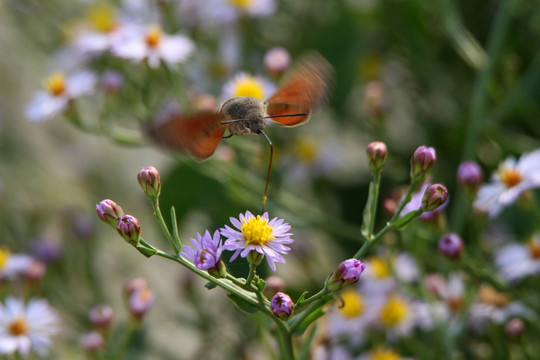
206, 250
257, 233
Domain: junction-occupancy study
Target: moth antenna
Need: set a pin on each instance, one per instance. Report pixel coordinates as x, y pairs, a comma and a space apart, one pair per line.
269, 168
285, 115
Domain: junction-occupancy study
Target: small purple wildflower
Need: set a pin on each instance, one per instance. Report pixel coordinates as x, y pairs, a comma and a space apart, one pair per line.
206, 250
451, 245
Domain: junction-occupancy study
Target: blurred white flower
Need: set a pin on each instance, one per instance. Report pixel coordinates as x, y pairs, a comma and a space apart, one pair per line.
511, 179
59, 92
516, 261
13, 266
152, 45
26, 328
224, 11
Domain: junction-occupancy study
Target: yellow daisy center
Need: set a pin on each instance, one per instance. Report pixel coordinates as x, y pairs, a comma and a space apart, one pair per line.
306, 150
153, 37
102, 17
242, 4
18, 327
394, 312
383, 354
380, 268
4, 256
510, 177
249, 86
55, 84
533, 246
257, 231
353, 304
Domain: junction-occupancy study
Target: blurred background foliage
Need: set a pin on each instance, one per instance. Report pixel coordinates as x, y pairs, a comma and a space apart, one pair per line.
461, 76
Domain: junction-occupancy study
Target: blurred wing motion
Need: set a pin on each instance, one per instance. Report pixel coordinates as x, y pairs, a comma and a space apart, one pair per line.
197, 134
304, 88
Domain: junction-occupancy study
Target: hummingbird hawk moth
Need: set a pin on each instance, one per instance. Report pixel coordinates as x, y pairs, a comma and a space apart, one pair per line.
304, 87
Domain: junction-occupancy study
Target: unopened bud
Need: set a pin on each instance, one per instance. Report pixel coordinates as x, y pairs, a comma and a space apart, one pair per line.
150, 183
282, 306
451, 245
129, 229
422, 161
109, 211
219, 270
434, 196
101, 316
92, 341
470, 175
140, 302
376, 155
112, 82
274, 284
277, 60
254, 258
134, 284
347, 273
514, 328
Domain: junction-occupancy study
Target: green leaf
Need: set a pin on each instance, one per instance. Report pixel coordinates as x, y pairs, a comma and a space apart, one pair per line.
242, 304
210, 285
308, 321
403, 221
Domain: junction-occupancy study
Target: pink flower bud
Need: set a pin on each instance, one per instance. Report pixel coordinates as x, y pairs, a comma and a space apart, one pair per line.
470, 175
282, 306
347, 273
101, 316
109, 211
422, 161
434, 196
277, 60
92, 341
451, 245
150, 183
129, 229
140, 302
376, 155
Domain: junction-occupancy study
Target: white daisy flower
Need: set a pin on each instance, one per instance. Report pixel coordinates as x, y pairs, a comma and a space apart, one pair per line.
516, 261
258, 234
26, 328
224, 11
509, 182
152, 45
58, 94
243, 84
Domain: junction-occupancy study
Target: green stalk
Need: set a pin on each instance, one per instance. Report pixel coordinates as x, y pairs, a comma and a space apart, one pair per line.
479, 99
159, 216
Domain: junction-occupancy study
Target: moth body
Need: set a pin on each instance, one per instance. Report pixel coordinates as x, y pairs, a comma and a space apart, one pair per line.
249, 112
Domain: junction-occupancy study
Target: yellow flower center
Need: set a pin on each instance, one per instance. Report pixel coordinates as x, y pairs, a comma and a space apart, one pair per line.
305, 150
394, 312
489, 295
249, 87
353, 304
4, 256
18, 327
55, 84
257, 231
383, 354
242, 4
144, 294
533, 245
510, 177
102, 17
380, 268
153, 37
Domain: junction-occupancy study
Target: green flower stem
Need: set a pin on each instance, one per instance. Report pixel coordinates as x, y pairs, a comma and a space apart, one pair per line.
405, 201
175, 243
373, 210
480, 97
368, 244
251, 275
314, 306
317, 296
245, 295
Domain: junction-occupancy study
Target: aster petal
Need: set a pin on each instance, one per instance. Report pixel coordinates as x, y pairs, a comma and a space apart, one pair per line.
176, 49
487, 199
